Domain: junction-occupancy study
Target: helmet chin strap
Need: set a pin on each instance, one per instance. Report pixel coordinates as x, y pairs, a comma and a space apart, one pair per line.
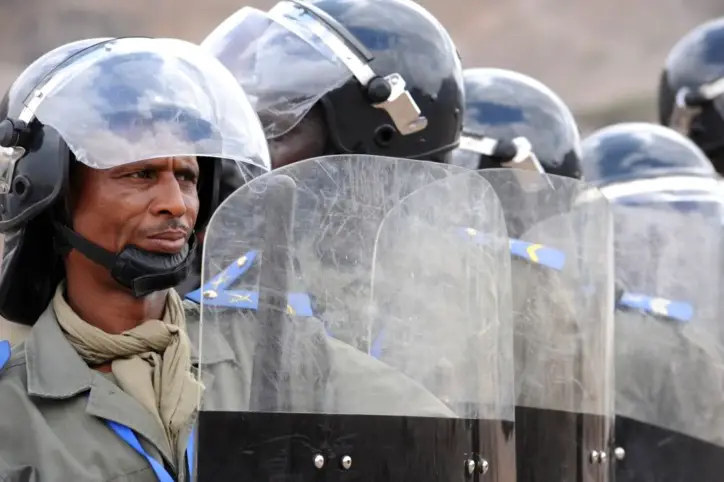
141, 271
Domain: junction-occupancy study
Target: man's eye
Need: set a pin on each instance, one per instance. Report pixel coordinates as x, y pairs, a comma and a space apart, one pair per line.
187, 177
145, 174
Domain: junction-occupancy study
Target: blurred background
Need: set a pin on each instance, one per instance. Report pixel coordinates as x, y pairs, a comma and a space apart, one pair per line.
603, 57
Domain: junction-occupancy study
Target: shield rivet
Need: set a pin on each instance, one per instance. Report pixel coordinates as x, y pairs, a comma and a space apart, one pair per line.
595, 457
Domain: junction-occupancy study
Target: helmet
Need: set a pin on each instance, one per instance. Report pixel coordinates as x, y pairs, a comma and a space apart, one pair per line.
639, 150
105, 103
691, 90
507, 112
641, 163
383, 76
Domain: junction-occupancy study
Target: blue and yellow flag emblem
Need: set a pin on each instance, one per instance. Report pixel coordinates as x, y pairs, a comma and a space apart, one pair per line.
216, 292
658, 307
533, 253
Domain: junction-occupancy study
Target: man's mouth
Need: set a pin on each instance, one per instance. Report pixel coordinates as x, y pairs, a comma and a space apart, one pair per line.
170, 241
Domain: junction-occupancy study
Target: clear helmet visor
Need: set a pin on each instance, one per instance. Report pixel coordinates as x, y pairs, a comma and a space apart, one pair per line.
133, 99
282, 60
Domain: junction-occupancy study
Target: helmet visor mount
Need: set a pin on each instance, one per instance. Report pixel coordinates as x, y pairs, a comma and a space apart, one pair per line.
689, 103
516, 154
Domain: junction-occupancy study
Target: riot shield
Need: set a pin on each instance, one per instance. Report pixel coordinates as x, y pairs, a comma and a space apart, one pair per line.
346, 245
563, 320
669, 351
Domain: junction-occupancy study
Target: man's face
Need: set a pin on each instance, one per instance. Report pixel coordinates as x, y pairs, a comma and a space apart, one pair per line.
152, 204
307, 140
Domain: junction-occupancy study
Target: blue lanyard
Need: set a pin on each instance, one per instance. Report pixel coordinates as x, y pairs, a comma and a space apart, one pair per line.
5, 352
161, 473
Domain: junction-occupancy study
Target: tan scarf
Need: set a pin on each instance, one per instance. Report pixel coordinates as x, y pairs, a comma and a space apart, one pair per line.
151, 363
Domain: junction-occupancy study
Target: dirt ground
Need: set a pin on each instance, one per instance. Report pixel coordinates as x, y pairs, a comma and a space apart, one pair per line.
602, 57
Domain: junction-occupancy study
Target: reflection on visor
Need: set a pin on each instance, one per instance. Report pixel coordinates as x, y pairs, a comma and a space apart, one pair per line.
132, 99
280, 62
187, 126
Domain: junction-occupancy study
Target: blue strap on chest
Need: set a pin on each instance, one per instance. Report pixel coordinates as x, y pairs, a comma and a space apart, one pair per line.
659, 307
531, 252
216, 292
162, 475
5, 352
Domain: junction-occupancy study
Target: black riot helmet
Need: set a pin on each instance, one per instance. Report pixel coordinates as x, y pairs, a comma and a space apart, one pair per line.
507, 115
106, 103
641, 163
638, 150
691, 90
382, 77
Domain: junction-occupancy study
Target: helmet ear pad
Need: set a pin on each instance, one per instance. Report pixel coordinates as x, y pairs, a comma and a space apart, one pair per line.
39, 178
31, 266
31, 270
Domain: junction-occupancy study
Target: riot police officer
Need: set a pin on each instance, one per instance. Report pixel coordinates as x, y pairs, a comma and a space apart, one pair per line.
383, 89
329, 77
508, 115
514, 121
668, 217
115, 149
691, 89
648, 163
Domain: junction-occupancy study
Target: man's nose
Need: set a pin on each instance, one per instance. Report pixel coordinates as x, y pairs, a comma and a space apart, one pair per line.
169, 197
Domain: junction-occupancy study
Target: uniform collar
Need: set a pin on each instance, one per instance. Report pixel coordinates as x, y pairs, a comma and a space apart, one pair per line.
55, 370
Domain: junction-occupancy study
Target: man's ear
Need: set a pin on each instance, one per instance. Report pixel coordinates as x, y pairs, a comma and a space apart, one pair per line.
76, 175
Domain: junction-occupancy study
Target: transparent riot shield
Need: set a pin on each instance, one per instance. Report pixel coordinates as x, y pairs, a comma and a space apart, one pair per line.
669, 351
356, 245
561, 247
